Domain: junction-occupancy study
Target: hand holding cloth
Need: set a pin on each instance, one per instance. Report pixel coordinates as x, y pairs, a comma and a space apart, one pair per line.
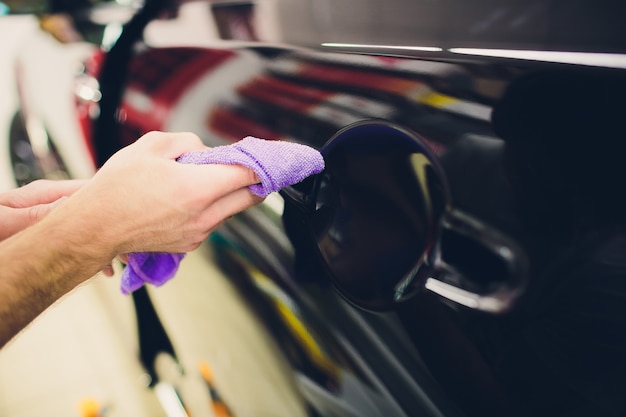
276, 163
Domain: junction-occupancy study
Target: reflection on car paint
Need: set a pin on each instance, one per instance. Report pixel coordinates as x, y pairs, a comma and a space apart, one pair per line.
428, 357
292, 98
321, 366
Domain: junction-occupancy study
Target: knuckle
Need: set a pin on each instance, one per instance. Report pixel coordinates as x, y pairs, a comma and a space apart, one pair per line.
151, 135
36, 184
191, 138
151, 138
33, 214
193, 246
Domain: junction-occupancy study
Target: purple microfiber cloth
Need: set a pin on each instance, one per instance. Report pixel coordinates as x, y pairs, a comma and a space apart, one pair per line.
276, 163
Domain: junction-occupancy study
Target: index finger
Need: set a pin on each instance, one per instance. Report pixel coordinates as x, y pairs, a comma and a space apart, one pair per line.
40, 192
221, 179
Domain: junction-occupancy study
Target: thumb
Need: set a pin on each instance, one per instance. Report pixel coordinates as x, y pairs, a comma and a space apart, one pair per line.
14, 220
32, 215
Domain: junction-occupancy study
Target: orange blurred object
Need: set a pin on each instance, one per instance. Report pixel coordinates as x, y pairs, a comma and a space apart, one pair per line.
90, 407
218, 405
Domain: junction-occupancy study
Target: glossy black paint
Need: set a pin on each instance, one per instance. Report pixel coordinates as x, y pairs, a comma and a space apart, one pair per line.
577, 25
532, 148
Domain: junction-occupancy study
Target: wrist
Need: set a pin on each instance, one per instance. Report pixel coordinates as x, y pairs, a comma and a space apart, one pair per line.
81, 241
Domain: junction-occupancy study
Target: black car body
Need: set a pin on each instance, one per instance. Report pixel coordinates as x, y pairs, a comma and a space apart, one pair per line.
516, 109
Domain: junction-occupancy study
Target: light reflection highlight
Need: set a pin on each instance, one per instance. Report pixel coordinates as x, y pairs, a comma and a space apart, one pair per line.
580, 58
368, 46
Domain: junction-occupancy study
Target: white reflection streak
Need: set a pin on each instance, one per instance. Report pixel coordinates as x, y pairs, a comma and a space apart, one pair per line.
452, 293
112, 31
404, 48
169, 400
581, 58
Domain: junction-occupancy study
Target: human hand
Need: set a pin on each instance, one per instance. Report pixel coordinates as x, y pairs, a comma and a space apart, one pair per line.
142, 200
24, 206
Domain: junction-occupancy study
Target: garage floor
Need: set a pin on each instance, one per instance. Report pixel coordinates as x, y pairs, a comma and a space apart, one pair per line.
84, 349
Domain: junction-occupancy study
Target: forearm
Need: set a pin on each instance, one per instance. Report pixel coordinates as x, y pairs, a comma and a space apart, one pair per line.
141, 200
40, 265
